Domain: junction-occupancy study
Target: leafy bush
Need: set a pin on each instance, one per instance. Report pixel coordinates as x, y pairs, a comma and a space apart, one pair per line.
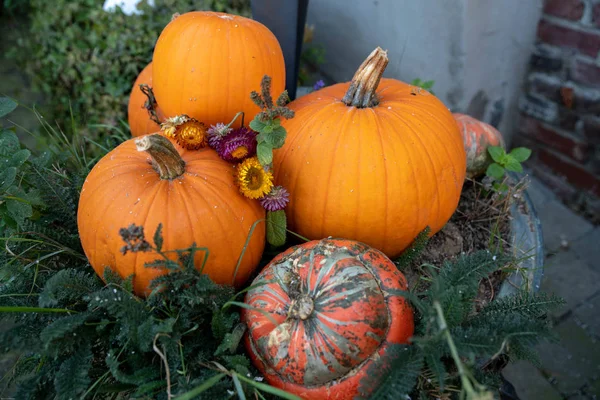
84, 60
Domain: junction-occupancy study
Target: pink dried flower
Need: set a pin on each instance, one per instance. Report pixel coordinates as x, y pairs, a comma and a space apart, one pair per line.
276, 199
216, 133
237, 145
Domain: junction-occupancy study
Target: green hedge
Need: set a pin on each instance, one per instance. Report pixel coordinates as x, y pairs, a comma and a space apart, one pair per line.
85, 59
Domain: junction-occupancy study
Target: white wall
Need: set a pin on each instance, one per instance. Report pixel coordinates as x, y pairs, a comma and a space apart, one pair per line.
468, 47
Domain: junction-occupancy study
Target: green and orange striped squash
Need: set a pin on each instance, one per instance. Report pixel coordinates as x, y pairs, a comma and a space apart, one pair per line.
477, 137
322, 316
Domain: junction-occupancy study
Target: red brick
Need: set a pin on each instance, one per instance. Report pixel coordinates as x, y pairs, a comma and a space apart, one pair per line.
585, 72
586, 100
586, 42
576, 174
547, 58
583, 99
547, 85
567, 9
559, 185
563, 142
596, 15
591, 129
567, 119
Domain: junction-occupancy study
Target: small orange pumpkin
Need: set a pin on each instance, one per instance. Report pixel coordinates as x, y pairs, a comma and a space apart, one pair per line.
336, 309
140, 122
477, 137
150, 181
206, 64
374, 160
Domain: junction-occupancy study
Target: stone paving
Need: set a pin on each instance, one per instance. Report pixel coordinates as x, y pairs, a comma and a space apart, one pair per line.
570, 368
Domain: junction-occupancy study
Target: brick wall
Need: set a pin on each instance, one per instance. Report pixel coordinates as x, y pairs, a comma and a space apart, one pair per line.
560, 106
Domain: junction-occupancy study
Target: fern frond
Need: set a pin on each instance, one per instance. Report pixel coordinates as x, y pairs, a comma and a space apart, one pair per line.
397, 378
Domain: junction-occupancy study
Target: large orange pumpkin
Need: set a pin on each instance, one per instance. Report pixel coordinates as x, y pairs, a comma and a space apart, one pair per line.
477, 138
336, 309
140, 122
374, 160
207, 63
151, 180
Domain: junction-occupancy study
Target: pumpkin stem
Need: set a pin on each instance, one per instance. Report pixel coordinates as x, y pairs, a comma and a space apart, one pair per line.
302, 307
361, 92
150, 105
165, 157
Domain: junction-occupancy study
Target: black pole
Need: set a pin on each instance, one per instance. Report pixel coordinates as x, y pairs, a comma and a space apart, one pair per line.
286, 19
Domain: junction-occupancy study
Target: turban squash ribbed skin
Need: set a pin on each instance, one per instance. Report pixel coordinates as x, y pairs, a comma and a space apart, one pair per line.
477, 137
337, 310
207, 63
191, 193
139, 120
374, 160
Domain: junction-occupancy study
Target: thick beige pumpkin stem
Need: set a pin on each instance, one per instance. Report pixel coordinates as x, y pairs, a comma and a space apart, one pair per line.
165, 157
361, 92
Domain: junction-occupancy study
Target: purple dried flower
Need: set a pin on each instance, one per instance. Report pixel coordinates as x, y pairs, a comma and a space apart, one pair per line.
319, 85
216, 133
277, 199
237, 145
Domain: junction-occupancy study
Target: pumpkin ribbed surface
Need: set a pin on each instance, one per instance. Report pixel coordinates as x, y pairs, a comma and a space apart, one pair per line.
207, 63
477, 137
378, 174
335, 313
202, 206
137, 115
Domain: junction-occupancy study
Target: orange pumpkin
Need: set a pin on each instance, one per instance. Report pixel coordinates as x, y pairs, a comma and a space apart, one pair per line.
140, 122
207, 63
477, 138
374, 160
151, 180
337, 311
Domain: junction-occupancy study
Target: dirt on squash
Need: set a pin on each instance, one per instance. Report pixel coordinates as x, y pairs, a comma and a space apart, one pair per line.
481, 221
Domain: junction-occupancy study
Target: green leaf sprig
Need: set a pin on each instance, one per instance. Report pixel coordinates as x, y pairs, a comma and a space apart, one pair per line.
271, 135
267, 123
505, 162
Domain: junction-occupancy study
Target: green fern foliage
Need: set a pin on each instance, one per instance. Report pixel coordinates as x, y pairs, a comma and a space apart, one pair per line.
75, 335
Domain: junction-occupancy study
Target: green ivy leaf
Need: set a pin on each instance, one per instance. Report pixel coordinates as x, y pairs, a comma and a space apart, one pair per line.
513, 165
276, 226
264, 153
7, 178
9, 142
497, 153
18, 210
495, 171
257, 125
19, 158
7, 105
520, 154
